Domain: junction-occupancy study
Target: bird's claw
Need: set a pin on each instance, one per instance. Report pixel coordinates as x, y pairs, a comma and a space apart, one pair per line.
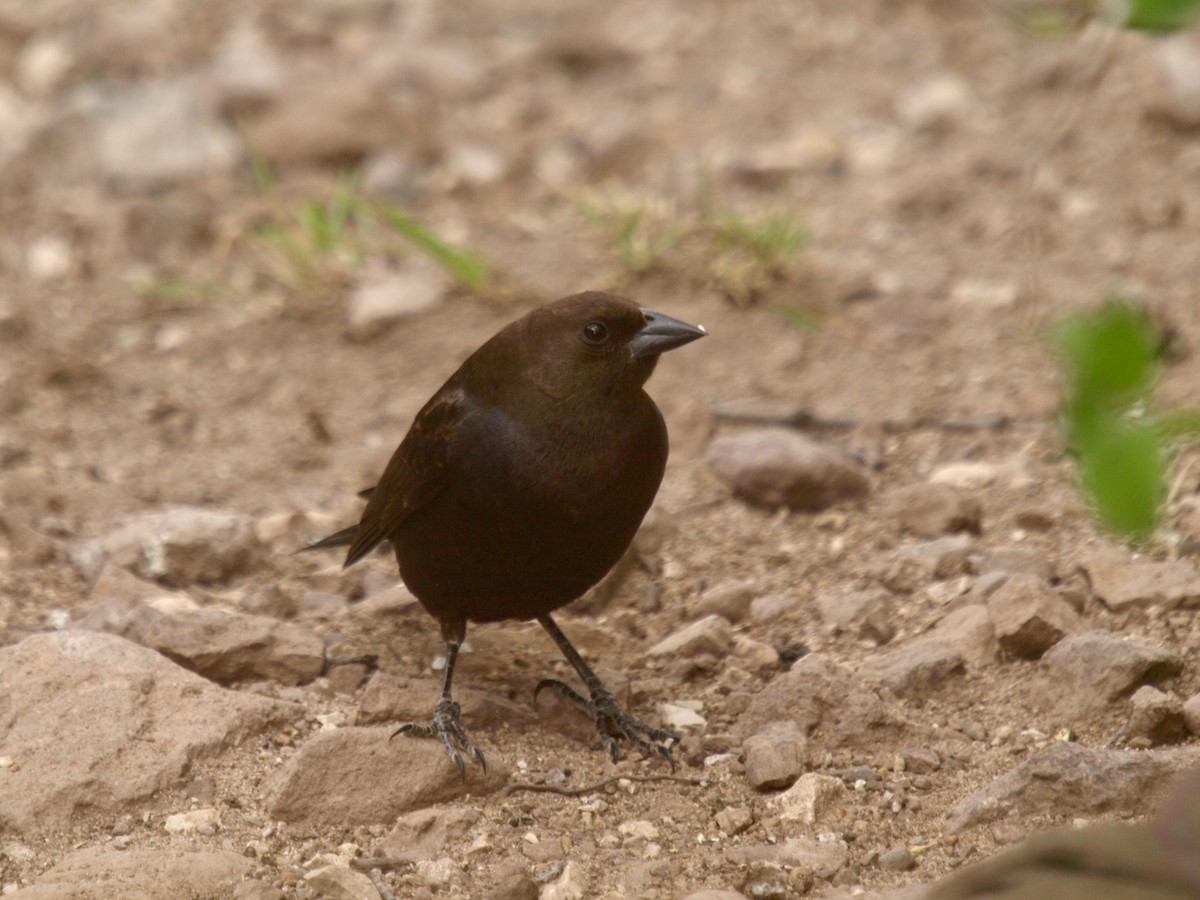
448, 729
614, 724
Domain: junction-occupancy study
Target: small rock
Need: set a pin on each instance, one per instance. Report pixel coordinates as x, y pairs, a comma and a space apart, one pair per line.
969, 630
425, 833
510, 881
572, 884
257, 890
437, 873
206, 820
341, 883
179, 547
920, 760
681, 720
1018, 561
1178, 98
339, 777
939, 558
42, 64
639, 829
48, 258
1121, 583
915, 668
759, 657
898, 859
764, 610
161, 131
779, 467
1029, 617
1157, 715
930, 510
985, 293
811, 798
348, 677
711, 635
775, 756
733, 820
729, 599
866, 614
1086, 672
965, 476
819, 695
938, 101
247, 73
379, 303
715, 895
821, 857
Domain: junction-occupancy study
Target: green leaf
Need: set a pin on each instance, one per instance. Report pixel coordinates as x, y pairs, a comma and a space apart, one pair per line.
1110, 356
1154, 16
466, 268
1124, 472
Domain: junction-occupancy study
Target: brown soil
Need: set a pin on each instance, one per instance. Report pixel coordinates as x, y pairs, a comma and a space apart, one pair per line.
942, 249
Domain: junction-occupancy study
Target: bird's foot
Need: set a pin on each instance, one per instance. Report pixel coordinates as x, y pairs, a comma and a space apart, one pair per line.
614, 724
448, 729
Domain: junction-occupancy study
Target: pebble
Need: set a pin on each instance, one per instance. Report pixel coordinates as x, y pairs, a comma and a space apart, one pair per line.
711, 635
811, 798
779, 467
775, 756
897, 859
205, 821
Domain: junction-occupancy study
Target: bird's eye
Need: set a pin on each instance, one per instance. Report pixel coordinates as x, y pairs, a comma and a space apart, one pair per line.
595, 332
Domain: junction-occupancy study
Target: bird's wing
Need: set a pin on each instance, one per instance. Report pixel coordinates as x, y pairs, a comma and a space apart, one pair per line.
414, 476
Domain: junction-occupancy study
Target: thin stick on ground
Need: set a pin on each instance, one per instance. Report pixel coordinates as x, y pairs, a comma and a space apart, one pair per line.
597, 786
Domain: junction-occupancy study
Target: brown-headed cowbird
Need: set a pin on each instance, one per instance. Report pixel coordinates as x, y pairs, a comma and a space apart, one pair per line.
523, 481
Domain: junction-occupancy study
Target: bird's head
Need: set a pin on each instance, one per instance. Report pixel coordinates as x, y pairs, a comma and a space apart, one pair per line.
597, 342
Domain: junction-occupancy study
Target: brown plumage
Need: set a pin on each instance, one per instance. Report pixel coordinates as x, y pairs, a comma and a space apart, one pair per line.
523, 481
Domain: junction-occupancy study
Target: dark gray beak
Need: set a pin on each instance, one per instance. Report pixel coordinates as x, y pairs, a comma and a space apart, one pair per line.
662, 333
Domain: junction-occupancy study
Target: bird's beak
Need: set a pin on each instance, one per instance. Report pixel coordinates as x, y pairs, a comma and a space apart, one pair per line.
662, 333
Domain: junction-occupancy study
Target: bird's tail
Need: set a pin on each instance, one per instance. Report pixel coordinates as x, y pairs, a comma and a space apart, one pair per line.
343, 538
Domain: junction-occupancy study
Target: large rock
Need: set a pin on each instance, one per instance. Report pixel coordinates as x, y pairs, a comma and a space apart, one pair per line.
228, 646
1065, 780
360, 776
1086, 672
822, 697
1155, 860
92, 721
164, 873
778, 467
915, 668
178, 547
1123, 583
1029, 616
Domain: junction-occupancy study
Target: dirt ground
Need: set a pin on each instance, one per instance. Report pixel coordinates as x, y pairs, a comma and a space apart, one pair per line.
963, 184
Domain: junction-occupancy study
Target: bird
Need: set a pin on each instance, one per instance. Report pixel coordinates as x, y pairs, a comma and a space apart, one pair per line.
521, 483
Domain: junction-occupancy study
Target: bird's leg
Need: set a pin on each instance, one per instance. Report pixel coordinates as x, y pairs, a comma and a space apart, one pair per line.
612, 722
446, 725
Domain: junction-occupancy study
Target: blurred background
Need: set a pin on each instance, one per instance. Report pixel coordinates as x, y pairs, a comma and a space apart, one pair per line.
242, 242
